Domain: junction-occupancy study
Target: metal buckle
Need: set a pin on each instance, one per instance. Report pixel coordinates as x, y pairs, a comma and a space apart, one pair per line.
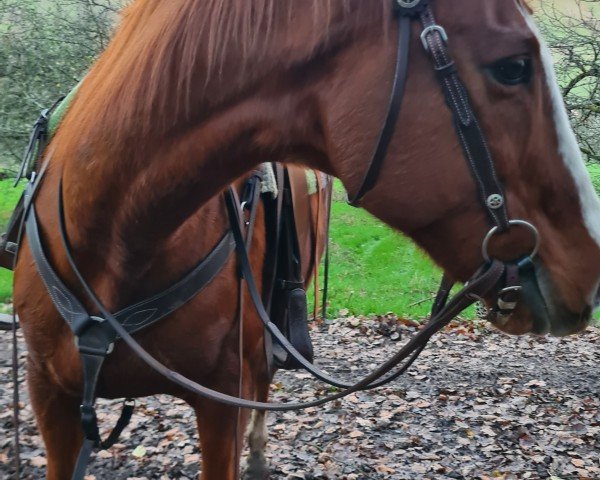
407, 3
433, 28
513, 223
505, 304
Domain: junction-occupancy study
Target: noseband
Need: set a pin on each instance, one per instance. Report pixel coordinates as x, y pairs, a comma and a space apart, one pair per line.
471, 138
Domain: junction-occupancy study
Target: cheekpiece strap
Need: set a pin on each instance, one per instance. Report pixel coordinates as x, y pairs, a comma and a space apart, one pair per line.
409, 8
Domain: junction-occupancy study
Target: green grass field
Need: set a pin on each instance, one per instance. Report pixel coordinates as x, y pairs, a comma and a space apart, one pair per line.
8, 199
373, 269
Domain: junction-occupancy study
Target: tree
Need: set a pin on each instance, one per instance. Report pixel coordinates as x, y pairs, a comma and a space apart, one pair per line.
574, 38
45, 49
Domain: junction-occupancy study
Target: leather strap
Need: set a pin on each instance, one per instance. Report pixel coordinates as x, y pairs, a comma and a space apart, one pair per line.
37, 143
483, 283
393, 111
467, 127
140, 315
496, 267
149, 311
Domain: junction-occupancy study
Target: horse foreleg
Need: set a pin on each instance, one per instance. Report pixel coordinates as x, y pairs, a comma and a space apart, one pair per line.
257, 468
57, 416
221, 439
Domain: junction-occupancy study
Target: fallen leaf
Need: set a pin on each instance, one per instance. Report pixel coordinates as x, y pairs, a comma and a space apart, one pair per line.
139, 451
38, 462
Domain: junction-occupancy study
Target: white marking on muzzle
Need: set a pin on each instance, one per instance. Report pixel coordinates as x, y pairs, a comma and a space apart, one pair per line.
567, 142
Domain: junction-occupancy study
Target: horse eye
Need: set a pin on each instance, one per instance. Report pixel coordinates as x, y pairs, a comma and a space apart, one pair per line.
511, 71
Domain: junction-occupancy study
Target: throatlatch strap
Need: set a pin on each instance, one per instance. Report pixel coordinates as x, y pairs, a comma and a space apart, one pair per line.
393, 111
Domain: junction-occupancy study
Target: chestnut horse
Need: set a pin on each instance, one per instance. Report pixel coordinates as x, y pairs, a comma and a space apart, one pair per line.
191, 94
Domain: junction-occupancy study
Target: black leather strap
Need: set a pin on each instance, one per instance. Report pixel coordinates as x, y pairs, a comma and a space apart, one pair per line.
470, 135
377, 378
83, 459
480, 285
442, 295
140, 315
469, 132
95, 336
393, 111
149, 311
37, 143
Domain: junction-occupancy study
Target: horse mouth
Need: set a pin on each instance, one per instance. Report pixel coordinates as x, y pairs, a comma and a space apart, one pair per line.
540, 311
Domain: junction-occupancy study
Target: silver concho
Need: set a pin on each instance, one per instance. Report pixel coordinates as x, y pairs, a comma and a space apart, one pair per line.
495, 201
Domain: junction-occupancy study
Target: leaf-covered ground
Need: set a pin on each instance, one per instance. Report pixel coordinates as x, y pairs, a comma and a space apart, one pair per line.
477, 405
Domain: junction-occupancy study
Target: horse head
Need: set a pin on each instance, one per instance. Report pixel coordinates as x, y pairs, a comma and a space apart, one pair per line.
425, 187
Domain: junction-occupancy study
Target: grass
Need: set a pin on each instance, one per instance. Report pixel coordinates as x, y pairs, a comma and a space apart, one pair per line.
8, 199
374, 269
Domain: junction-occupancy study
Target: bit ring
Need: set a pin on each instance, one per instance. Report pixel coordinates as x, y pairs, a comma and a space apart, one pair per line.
513, 223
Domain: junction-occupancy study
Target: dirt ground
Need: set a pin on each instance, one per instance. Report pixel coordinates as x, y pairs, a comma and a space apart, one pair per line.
478, 404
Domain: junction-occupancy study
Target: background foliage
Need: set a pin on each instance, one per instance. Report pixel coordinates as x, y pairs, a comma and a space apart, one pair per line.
45, 47
572, 28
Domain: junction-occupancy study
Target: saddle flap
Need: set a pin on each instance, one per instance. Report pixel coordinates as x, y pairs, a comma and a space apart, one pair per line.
310, 207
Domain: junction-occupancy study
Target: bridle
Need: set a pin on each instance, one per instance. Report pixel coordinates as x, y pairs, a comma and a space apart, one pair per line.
493, 277
471, 138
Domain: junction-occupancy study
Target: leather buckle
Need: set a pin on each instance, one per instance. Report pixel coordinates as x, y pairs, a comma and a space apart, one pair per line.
430, 30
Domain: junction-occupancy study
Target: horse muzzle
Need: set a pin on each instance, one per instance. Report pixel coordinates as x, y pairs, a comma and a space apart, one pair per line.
539, 309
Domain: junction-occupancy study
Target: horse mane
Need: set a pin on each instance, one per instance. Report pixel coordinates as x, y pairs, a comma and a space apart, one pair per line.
168, 57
